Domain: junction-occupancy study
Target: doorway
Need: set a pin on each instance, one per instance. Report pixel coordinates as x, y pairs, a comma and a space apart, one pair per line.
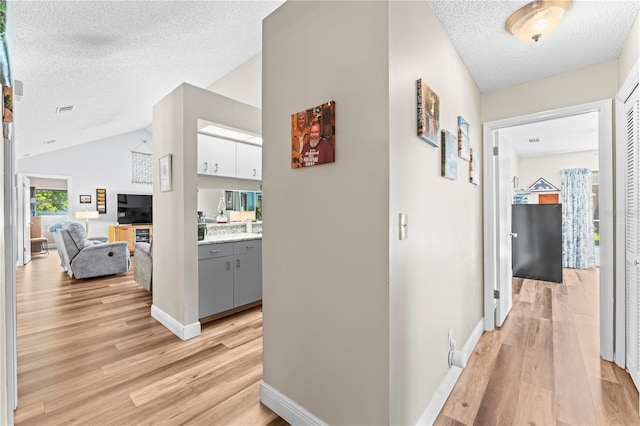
39, 196
497, 241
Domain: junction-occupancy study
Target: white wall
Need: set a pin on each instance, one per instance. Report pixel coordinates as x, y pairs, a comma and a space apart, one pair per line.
175, 249
326, 228
583, 85
100, 164
244, 83
630, 52
436, 274
549, 167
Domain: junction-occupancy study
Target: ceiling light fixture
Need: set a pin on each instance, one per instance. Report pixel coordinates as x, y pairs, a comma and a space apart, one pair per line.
228, 133
536, 19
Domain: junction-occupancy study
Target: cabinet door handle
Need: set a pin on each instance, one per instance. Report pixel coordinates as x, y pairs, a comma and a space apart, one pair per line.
237, 263
228, 265
216, 170
254, 172
214, 251
206, 166
249, 247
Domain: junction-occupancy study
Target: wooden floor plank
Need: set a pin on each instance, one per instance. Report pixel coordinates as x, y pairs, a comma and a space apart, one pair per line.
562, 381
89, 353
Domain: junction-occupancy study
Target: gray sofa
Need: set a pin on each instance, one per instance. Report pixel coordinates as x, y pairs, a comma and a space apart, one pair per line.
143, 264
82, 258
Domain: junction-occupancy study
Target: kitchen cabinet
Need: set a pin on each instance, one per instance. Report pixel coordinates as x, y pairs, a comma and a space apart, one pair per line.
229, 276
247, 161
223, 157
216, 156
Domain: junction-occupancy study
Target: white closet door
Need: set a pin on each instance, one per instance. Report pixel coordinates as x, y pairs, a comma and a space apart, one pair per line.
632, 240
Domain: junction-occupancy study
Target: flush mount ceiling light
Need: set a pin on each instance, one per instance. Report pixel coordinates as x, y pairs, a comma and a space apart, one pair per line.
228, 133
537, 18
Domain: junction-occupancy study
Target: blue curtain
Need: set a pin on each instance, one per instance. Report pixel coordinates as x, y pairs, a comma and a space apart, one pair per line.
578, 246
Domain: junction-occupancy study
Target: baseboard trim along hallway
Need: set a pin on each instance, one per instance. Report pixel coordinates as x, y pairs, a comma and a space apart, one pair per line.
286, 408
184, 332
444, 390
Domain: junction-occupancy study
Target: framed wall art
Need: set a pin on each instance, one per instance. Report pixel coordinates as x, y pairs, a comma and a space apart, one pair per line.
85, 199
313, 136
166, 183
428, 104
449, 155
474, 172
464, 143
101, 200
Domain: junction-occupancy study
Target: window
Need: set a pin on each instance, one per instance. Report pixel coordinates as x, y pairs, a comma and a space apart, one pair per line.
51, 202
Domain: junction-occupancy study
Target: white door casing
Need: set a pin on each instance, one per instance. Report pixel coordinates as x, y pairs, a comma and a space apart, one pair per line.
491, 213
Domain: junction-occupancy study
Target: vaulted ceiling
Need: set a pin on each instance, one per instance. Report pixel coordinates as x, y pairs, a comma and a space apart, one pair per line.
113, 60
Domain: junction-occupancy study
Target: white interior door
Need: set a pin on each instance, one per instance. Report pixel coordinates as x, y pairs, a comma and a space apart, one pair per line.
504, 234
632, 236
26, 234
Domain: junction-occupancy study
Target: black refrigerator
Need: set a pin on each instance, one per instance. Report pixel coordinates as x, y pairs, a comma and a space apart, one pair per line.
536, 248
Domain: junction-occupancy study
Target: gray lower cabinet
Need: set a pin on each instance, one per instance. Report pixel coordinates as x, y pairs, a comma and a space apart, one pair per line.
229, 276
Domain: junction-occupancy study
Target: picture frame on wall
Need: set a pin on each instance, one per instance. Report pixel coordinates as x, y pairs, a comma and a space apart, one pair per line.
473, 168
85, 199
464, 143
449, 155
313, 136
101, 200
428, 108
166, 183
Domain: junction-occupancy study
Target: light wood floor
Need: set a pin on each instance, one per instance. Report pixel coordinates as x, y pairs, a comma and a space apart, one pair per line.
543, 366
89, 353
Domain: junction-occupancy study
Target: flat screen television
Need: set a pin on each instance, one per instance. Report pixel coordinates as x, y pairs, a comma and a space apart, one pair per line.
135, 209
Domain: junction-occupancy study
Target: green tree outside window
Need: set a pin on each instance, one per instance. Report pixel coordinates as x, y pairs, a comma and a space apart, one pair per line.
51, 201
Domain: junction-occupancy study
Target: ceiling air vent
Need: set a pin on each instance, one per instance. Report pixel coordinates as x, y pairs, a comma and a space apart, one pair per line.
534, 140
67, 108
49, 142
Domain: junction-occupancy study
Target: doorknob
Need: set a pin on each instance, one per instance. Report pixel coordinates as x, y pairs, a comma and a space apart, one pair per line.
513, 234
635, 262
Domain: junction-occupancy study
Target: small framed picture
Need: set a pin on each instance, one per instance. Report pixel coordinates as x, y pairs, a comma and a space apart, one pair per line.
165, 173
85, 199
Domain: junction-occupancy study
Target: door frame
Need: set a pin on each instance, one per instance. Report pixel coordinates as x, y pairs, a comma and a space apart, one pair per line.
605, 147
631, 81
20, 207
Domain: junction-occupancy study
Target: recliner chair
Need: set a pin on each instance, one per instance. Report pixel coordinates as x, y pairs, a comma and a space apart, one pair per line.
143, 264
82, 258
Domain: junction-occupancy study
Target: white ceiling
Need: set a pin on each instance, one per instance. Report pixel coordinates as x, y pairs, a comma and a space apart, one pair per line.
590, 33
113, 60
557, 136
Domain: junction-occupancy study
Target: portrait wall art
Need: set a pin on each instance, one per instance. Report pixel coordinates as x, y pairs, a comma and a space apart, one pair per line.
428, 113
313, 136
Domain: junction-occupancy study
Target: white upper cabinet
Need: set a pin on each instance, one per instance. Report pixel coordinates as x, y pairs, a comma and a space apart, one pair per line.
247, 161
216, 156
223, 157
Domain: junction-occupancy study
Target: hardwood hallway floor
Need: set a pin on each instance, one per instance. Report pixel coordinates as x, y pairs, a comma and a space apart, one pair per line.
89, 353
543, 366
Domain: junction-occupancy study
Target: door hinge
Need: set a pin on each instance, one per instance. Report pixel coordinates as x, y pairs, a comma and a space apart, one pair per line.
495, 150
496, 294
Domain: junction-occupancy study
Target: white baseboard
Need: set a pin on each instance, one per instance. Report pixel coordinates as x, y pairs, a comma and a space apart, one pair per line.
184, 332
286, 408
430, 413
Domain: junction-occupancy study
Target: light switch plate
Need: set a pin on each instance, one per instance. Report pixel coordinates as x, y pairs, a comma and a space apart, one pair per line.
404, 226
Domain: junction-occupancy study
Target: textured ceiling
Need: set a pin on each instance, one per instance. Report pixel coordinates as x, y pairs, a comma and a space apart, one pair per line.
591, 32
114, 60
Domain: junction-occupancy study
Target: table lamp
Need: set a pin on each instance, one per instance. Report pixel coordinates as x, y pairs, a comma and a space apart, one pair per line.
87, 215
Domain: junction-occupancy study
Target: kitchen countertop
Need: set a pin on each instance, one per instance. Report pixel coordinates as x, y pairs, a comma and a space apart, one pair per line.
229, 238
